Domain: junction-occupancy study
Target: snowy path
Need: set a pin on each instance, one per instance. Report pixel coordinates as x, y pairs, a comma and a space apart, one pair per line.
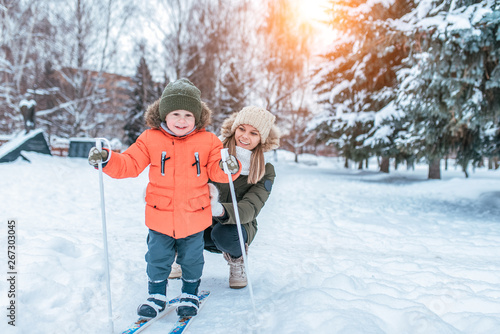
338, 251
370, 255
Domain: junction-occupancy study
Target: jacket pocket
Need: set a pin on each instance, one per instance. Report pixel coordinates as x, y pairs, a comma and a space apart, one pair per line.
159, 202
199, 203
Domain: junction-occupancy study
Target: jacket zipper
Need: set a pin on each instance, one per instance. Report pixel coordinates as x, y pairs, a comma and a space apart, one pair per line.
197, 163
163, 159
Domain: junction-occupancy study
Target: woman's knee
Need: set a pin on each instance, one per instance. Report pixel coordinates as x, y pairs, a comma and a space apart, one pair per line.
226, 237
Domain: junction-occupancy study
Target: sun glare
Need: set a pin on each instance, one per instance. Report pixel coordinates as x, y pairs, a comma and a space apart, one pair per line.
312, 13
312, 10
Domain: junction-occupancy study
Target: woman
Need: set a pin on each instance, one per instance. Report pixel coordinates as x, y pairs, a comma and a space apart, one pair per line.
247, 134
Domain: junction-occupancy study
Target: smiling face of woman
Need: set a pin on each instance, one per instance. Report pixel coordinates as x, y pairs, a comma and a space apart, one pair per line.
180, 122
247, 136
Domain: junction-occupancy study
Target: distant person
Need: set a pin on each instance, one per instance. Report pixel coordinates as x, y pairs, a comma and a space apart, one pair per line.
247, 134
182, 157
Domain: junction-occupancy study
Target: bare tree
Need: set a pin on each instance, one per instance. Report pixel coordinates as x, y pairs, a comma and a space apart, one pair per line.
202, 41
298, 135
20, 34
81, 104
285, 55
235, 63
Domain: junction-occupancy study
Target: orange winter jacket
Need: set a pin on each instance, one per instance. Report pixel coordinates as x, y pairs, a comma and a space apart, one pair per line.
177, 197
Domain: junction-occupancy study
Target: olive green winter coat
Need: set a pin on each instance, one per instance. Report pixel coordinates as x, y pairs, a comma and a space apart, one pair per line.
251, 199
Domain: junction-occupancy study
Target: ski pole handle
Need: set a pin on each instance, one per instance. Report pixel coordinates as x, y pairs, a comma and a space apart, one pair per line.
224, 154
98, 144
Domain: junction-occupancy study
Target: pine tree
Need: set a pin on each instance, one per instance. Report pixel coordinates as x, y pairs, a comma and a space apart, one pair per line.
490, 127
444, 92
360, 76
144, 93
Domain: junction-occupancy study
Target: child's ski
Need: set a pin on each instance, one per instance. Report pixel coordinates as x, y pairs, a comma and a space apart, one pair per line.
183, 323
142, 323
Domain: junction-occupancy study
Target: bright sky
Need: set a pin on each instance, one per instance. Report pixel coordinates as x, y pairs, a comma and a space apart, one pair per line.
312, 10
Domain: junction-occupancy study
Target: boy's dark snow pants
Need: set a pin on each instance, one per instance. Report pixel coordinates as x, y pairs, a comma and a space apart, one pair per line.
161, 255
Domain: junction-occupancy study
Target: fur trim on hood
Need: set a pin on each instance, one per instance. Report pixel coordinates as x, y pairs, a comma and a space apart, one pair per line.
153, 119
272, 142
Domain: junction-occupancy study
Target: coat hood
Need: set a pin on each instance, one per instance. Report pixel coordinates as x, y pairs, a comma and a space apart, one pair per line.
153, 119
273, 139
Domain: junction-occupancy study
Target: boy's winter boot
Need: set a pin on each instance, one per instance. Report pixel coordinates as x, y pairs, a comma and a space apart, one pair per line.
156, 301
237, 274
189, 301
188, 305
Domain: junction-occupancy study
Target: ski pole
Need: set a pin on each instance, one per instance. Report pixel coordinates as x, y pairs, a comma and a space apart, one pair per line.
224, 155
98, 144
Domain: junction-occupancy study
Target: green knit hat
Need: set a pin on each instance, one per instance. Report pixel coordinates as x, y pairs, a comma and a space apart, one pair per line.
181, 95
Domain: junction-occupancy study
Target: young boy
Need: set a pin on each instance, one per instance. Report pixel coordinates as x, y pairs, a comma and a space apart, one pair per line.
182, 156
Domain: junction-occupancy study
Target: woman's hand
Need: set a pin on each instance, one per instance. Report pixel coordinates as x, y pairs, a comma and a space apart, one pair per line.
217, 208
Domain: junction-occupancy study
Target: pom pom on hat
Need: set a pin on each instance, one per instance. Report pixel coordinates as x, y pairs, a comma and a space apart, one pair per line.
257, 117
180, 95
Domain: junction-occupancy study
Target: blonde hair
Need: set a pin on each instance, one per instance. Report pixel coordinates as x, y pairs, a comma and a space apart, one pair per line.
257, 160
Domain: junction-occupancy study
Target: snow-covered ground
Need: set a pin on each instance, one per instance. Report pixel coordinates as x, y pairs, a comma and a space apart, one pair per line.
338, 251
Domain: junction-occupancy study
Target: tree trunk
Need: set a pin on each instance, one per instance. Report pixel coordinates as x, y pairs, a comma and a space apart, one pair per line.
434, 169
410, 164
493, 162
346, 164
464, 169
360, 164
366, 163
384, 165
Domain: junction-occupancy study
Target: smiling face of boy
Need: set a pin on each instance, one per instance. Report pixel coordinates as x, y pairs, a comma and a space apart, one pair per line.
180, 122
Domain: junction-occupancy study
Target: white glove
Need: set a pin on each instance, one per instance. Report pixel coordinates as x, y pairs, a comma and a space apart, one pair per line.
217, 208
